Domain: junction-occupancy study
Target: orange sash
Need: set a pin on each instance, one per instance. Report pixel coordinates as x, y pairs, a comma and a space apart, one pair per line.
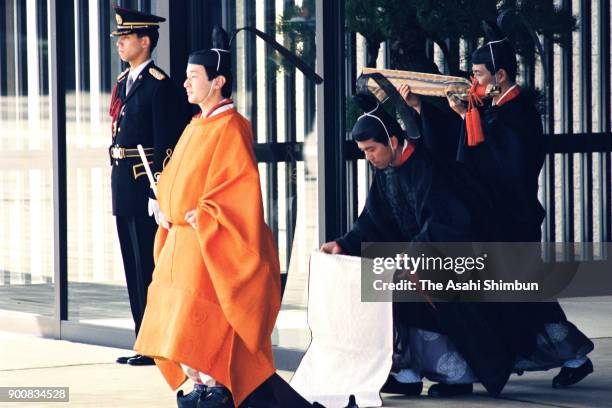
475, 134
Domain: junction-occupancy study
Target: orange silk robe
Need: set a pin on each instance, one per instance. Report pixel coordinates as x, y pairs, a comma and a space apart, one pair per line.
215, 292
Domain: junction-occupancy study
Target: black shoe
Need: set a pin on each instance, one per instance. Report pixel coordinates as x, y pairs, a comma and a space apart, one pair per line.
392, 386
442, 390
190, 400
139, 360
570, 376
352, 403
216, 397
124, 360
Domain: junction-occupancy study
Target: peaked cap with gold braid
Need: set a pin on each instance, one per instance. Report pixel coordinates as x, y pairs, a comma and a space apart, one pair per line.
132, 21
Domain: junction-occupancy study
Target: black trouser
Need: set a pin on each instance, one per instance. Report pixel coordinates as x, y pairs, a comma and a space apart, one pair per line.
136, 236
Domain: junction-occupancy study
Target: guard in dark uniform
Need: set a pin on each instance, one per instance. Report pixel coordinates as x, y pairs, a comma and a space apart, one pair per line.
146, 108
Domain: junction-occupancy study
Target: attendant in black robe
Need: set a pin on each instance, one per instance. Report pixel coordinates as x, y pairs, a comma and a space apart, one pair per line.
419, 198
503, 147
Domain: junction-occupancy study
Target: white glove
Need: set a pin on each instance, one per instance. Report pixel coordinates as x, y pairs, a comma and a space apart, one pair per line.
154, 211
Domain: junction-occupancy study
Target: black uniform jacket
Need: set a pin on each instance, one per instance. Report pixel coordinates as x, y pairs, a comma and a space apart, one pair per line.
153, 114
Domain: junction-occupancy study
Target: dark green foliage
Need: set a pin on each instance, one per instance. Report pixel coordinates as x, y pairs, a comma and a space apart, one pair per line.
297, 25
408, 24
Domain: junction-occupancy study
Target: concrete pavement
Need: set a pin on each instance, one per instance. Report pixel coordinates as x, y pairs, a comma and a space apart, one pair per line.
96, 381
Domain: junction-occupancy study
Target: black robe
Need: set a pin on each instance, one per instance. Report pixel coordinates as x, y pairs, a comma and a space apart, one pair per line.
508, 163
437, 122
434, 200
424, 200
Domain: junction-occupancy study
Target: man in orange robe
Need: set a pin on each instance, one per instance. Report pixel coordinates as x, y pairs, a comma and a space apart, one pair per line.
215, 293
